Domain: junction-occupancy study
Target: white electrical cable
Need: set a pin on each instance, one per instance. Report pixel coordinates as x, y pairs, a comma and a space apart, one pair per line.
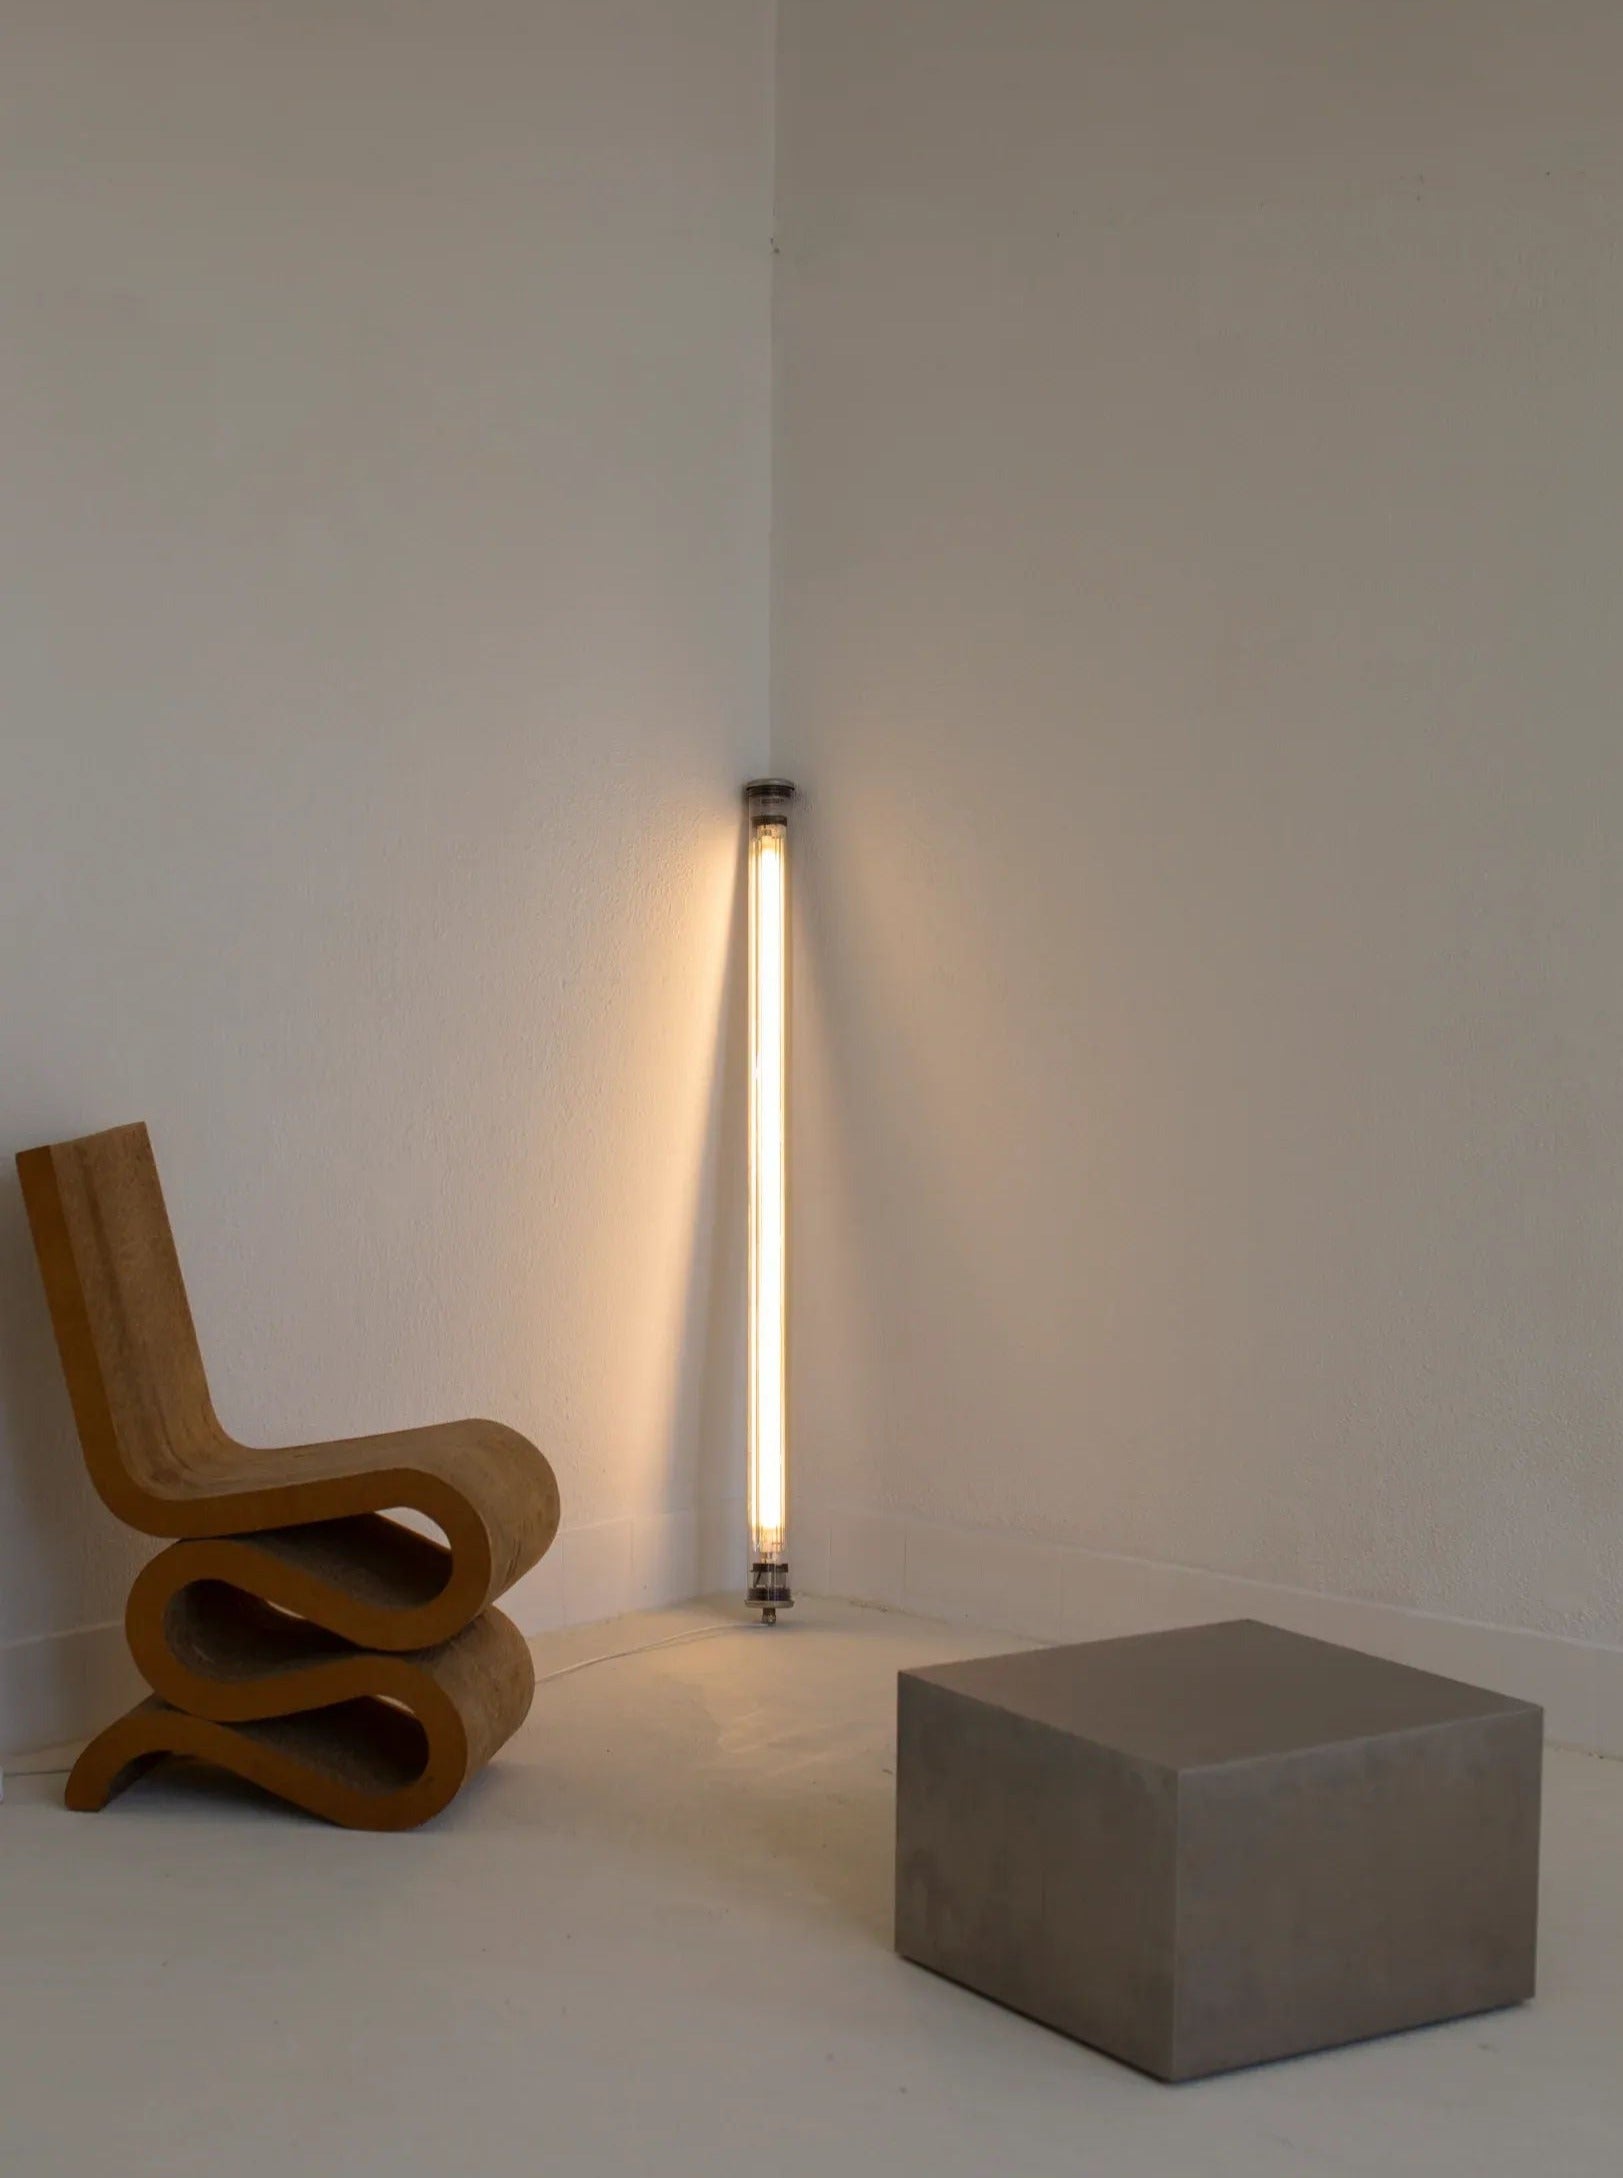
646, 1648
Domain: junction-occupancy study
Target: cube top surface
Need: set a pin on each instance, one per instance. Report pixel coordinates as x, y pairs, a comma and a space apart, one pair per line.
1202, 1695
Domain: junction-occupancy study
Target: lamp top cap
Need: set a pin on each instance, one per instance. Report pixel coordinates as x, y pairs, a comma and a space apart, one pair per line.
768, 797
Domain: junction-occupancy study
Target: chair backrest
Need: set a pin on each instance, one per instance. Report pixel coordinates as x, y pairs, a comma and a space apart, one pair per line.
123, 1323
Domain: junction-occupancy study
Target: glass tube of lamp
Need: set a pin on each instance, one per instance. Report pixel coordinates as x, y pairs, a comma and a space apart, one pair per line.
767, 803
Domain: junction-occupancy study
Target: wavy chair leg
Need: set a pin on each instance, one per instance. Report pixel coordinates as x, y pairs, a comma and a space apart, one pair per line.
372, 1742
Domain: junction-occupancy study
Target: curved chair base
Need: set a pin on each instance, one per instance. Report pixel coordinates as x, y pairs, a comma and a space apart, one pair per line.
371, 1742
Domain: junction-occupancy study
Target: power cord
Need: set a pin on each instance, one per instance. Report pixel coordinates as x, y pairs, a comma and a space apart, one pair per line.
646, 1648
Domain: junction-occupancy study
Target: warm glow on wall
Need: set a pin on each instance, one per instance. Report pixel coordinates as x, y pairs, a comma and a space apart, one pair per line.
767, 804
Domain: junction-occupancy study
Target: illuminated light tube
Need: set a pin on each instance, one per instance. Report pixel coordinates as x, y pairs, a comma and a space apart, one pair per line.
766, 802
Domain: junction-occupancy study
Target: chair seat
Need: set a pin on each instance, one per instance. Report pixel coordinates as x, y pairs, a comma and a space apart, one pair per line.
490, 1491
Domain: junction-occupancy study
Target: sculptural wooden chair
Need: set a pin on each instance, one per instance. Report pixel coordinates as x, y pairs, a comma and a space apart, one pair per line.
292, 1632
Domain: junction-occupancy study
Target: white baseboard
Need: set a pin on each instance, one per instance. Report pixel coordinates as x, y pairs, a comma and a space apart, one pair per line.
1059, 1592
64, 1686
59, 1688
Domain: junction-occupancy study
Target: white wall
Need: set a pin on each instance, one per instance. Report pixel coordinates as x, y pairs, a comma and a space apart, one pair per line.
1198, 514
383, 406
1200, 508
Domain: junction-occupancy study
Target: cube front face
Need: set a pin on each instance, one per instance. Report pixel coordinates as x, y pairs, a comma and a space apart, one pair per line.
1193, 1918
1037, 1869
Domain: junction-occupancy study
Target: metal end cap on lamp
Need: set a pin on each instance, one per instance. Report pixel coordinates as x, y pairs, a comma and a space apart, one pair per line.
769, 1591
768, 798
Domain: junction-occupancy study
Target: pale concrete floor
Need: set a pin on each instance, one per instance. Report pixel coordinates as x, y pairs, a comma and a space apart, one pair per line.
655, 1939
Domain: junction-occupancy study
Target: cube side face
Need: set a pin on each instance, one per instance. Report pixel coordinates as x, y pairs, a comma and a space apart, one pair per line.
1037, 1869
1356, 1889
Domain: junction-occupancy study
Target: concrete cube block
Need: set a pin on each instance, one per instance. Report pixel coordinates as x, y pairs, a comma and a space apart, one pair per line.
1207, 1848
